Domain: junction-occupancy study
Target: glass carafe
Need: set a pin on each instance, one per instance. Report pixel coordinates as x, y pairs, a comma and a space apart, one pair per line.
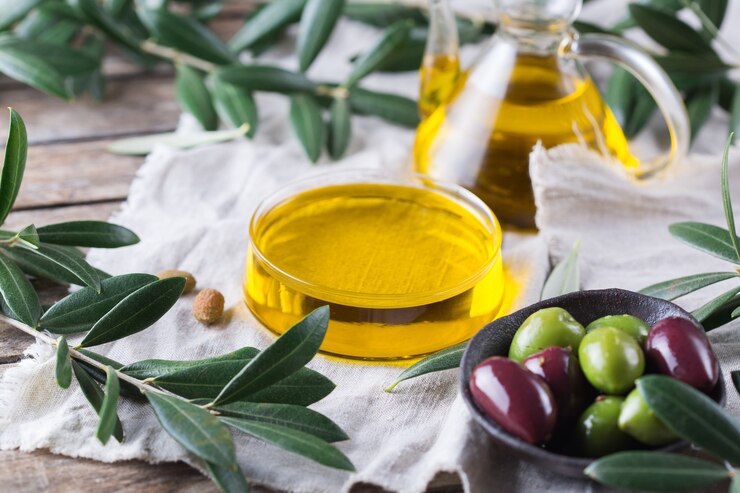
529, 86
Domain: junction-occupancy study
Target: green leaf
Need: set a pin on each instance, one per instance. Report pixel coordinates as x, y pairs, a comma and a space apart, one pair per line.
14, 164
383, 14
655, 471
194, 428
308, 124
118, 31
11, 11
30, 235
302, 388
81, 310
95, 234
66, 61
699, 106
619, 94
289, 353
109, 408
642, 110
63, 370
736, 380
154, 368
141, 146
317, 23
265, 78
408, 56
391, 107
47, 25
94, 395
186, 34
727, 200
667, 30
446, 359
234, 105
194, 96
18, 293
40, 267
390, 40
127, 389
268, 21
715, 10
688, 63
692, 415
711, 307
675, 288
735, 114
294, 441
340, 127
707, 238
74, 264
288, 416
136, 312
565, 277
229, 479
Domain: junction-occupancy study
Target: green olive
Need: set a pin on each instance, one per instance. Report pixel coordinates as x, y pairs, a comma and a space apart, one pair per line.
626, 323
611, 360
639, 421
543, 329
597, 431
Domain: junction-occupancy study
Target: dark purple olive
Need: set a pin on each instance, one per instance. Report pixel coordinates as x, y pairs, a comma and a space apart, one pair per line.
680, 349
560, 370
518, 400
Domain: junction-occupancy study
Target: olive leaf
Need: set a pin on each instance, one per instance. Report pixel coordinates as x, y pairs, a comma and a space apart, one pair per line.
229, 479
667, 30
94, 395
565, 276
136, 312
308, 124
699, 105
388, 42
18, 293
40, 267
727, 200
194, 97
234, 105
294, 441
340, 127
266, 78
288, 416
446, 359
32, 70
63, 370
62, 257
655, 471
735, 114
383, 14
186, 34
711, 239
95, 234
46, 25
66, 61
692, 416
141, 146
82, 309
391, 107
302, 388
712, 306
714, 10
154, 368
11, 11
194, 428
675, 288
30, 236
128, 389
14, 164
268, 21
100, 18
109, 407
317, 23
289, 353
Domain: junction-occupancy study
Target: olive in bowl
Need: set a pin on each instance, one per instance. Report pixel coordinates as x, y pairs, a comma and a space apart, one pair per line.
585, 307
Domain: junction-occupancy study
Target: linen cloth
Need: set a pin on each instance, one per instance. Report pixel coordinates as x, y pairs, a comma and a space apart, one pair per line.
192, 209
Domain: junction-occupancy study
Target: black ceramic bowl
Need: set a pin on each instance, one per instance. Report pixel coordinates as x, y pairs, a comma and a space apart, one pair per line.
586, 306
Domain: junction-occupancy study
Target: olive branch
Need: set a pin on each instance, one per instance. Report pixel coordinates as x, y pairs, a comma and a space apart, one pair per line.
263, 394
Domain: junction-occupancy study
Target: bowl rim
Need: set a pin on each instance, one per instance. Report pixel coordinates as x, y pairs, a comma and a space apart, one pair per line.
536, 453
363, 175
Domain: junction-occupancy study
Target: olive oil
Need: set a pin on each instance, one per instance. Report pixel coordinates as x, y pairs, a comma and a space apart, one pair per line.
482, 139
438, 77
405, 270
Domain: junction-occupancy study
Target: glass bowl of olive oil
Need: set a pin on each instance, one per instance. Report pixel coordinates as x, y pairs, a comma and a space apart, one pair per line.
408, 265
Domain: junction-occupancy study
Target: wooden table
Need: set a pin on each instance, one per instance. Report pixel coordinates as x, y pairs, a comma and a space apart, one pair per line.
70, 175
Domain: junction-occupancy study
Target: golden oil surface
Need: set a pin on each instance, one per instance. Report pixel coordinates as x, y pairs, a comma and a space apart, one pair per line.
438, 77
405, 271
483, 142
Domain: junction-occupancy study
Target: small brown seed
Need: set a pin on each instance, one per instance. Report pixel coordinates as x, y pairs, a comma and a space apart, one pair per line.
208, 307
189, 278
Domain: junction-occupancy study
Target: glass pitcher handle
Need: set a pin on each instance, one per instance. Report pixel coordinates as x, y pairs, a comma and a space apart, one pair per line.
652, 76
